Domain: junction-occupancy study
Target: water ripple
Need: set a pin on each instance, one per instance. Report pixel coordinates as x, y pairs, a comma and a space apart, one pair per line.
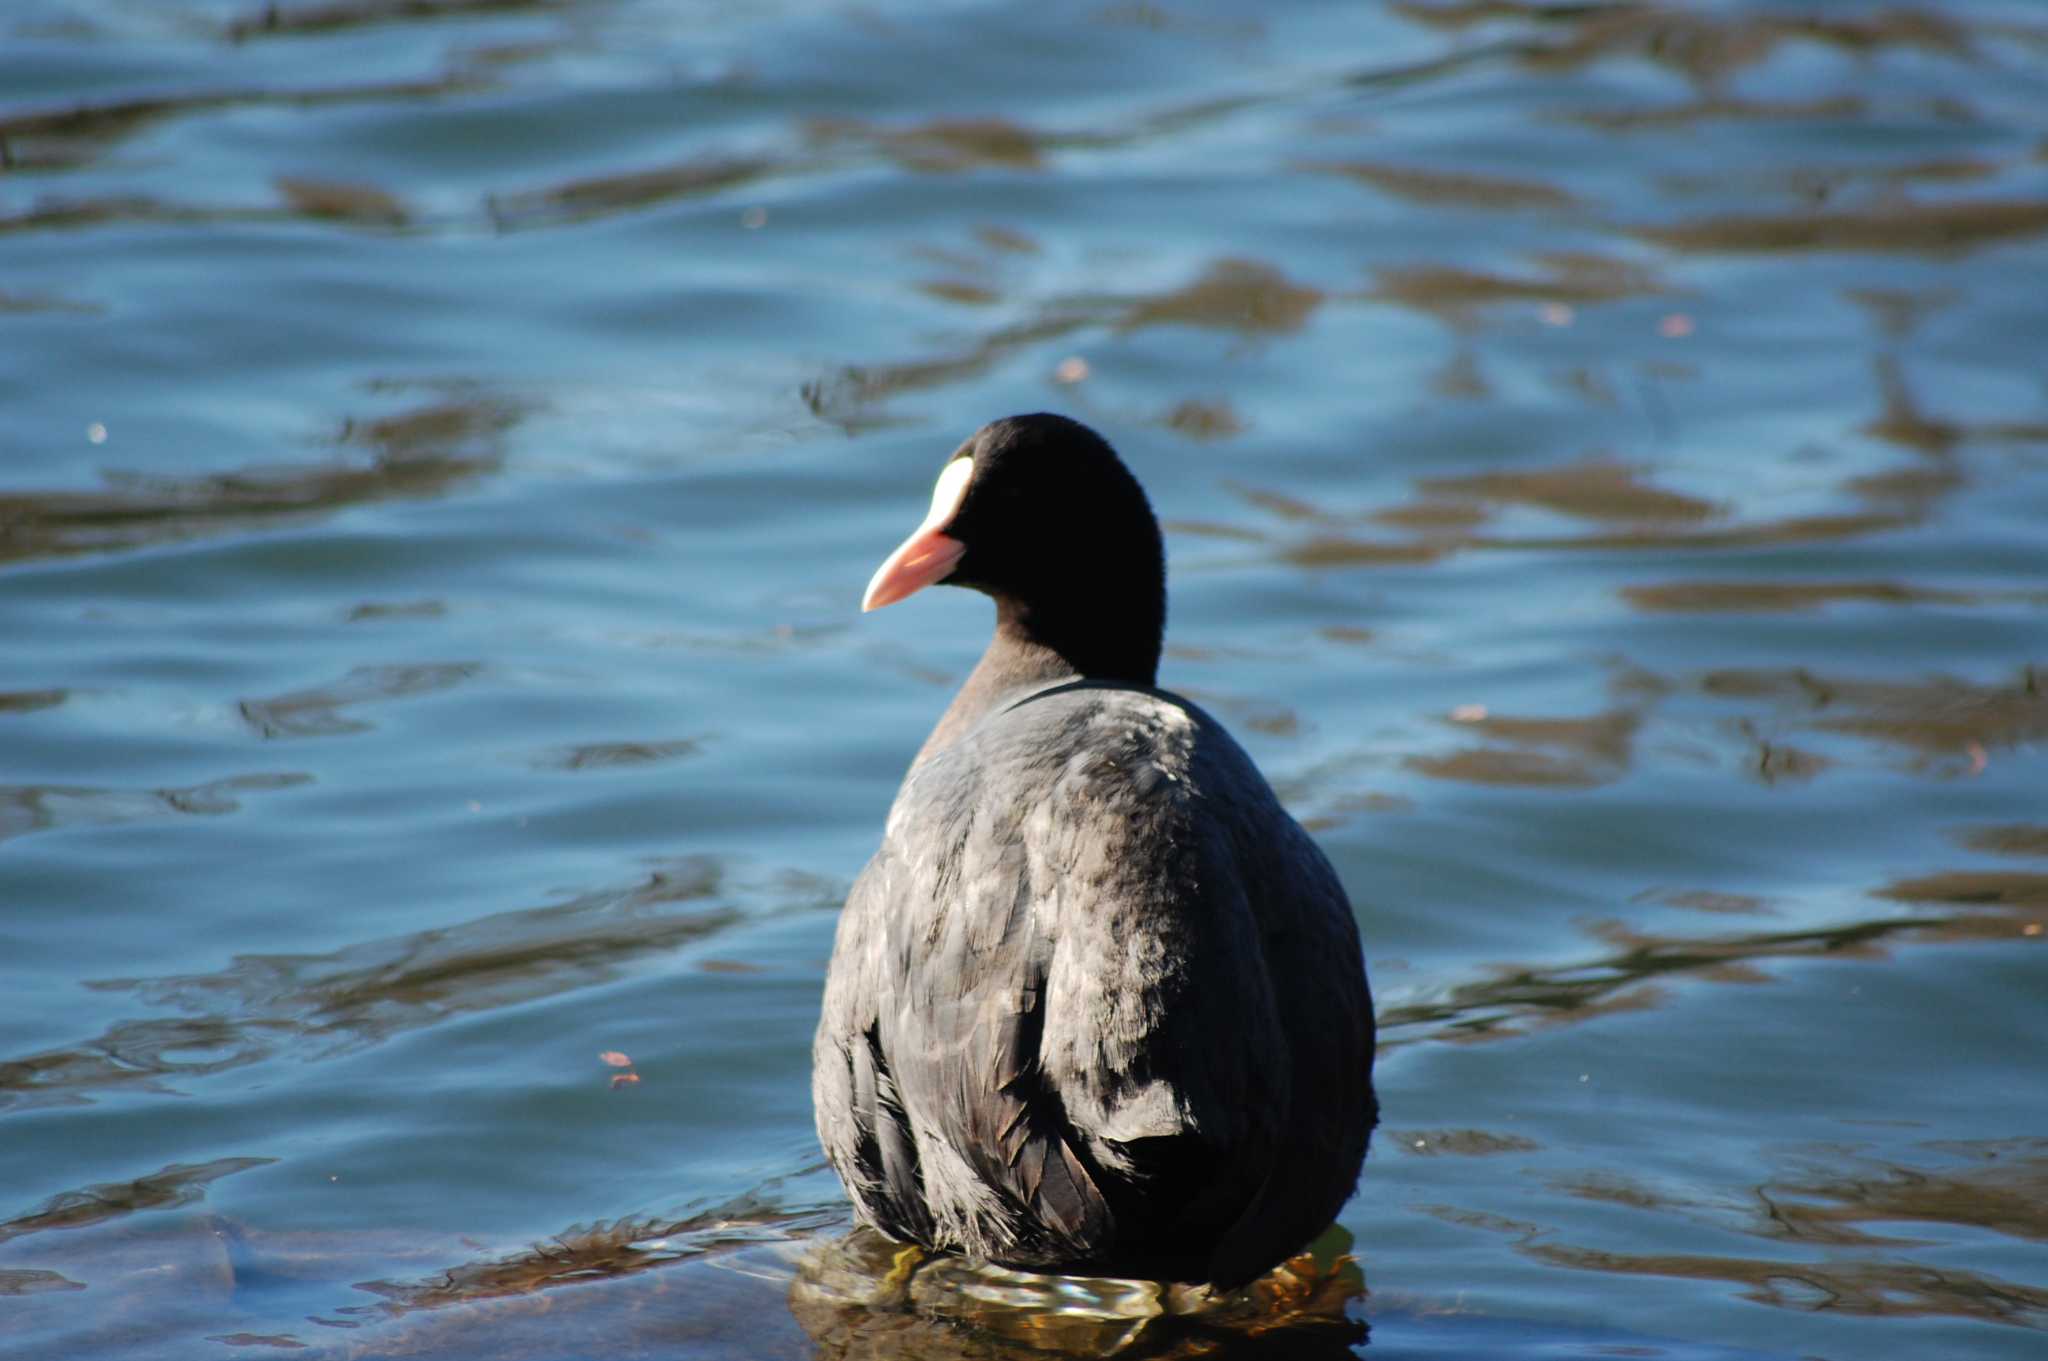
314, 1005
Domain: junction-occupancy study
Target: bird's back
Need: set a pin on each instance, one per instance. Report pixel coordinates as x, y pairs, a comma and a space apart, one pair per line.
1098, 1002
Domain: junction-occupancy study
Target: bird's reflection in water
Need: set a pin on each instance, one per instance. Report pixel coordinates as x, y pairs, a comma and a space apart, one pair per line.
861, 1296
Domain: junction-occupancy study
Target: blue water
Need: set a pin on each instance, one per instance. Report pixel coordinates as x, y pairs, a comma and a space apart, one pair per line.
1604, 452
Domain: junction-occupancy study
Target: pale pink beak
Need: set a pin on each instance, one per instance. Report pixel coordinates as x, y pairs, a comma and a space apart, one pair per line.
929, 554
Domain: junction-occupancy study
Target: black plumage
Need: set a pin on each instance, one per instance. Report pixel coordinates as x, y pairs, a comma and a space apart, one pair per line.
1097, 1004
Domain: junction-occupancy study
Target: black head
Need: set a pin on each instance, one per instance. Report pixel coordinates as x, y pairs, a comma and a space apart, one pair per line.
1048, 521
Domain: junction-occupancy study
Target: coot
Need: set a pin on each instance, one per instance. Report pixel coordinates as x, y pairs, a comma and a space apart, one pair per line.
1097, 1005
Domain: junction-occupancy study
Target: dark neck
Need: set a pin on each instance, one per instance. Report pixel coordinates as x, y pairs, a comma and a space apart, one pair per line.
1090, 640
1030, 651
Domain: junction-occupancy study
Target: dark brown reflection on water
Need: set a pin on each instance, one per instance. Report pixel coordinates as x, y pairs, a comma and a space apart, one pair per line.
1629, 511
1705, 900
20, 302
259, 1006
2024, 895
1242, 297
320, 711
335, 201
855, 397
277, 18
169, 1187
396, 609
1454, 293
417, 453
1968, 906
1459, 1143
1898, 312
1703, 46
647, 1286
1946, 726
609, 755
584, 1253
39, 808
1782, 597
2014, 839
945, 146
1816, 184
1595, 489
1577, 753
960, 291
1461, 379
1447, 188
1247, 297
466, 421
77, 134
1200, 420
1906, 423
2004, 1189
1903, 422
1824, 1199
65, 214
1724, 108
1159, 18
862, 1296
203, 1271
601, 196
1941, 229
1855, 1286
35, 1281
942, 145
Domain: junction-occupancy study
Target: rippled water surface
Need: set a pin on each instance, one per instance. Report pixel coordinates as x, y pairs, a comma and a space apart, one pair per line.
1605, 455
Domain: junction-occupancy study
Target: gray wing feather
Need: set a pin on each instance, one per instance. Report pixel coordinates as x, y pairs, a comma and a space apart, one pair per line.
1052, 1025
